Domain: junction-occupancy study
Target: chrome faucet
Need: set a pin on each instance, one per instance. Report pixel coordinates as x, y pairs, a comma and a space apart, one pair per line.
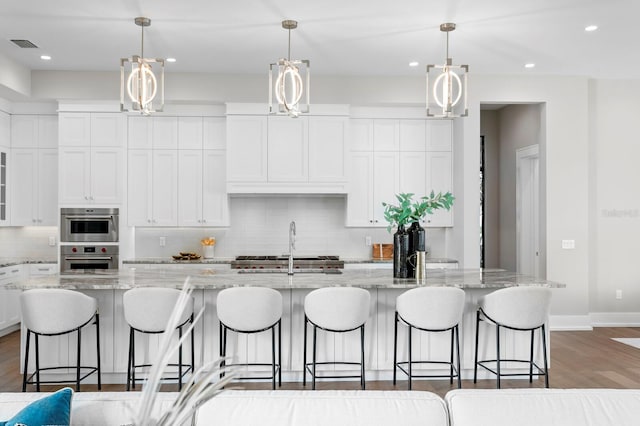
292, 245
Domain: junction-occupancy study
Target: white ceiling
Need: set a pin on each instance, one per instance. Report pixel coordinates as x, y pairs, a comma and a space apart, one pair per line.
339, 37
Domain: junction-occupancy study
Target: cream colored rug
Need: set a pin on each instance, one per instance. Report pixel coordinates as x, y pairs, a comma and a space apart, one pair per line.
631, 341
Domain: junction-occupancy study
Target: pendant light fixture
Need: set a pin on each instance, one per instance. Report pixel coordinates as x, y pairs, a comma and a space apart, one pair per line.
139, 86
447, 85
289, 82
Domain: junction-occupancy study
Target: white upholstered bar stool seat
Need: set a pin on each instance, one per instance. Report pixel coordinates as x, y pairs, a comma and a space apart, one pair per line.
54, 312
429, 309
249, 310
524, 308
147, 310
338, 310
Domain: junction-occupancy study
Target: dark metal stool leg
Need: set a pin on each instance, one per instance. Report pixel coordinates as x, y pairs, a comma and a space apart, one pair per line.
279, 352
193, 349
475, 363
451, 358
273, 358
313, 373
129, 359
133, 361
498, 354
544, 349
362, 379
395, 347
26, 362
531, 359
180, 359
304, 353
458, 355
78, 362
410, 357
37, 363
98, 350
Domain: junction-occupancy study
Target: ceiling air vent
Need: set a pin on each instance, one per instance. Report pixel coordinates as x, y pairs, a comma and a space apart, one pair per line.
25, 44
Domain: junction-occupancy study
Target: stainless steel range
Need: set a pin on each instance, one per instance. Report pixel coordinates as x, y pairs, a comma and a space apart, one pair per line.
88, 258
282, 262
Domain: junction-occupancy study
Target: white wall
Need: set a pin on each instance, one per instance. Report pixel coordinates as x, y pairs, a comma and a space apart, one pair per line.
15, 79
28, 242
260, 226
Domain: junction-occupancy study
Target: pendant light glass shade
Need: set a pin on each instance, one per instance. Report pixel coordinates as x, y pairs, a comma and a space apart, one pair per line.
447, 86
139, 86
289, 82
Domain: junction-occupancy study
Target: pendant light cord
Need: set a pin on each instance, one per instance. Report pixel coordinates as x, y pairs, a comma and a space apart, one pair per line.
289, 51
142, 41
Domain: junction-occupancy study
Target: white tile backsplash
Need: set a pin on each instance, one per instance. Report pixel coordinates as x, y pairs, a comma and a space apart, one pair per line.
260, 225
28, 241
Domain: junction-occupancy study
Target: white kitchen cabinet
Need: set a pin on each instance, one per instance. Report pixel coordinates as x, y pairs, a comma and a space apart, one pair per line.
327, 149
439, 179
439, 135
247, 148
202, 197
190, 131
90, 175
34, 187
373, 180
288, 149
5, 130
4, 205
9, 299
412, 135
214, 133
34, 131
386, 135
361, 134
412, 173
91, 158
152, 132
152, 187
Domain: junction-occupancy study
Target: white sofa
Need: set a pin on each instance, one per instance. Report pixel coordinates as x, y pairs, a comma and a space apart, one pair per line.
466, 407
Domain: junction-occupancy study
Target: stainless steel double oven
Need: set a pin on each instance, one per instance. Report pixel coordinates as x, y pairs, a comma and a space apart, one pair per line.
88, 239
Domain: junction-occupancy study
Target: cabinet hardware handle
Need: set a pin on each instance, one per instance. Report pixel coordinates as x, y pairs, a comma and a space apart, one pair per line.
15, 271
3, 273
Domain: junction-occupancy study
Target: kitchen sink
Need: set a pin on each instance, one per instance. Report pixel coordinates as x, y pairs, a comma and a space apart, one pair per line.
295, 271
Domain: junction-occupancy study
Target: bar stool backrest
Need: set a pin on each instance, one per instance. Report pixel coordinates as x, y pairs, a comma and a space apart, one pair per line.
149, 308
525, 307
54, 311
338, 308
431, 308
249, 308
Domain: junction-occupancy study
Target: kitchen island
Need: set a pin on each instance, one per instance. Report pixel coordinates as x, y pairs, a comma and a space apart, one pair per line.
108, 287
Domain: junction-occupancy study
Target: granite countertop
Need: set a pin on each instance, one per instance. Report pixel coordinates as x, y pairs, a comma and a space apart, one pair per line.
216, 279
21, 261
226, 260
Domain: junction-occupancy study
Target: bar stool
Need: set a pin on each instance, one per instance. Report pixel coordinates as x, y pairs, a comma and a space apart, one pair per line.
430, 309
147, 310
520, 309
249, 310
54, 312
338, 310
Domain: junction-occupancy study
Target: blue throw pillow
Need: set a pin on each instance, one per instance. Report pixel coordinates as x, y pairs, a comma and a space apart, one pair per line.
52, 410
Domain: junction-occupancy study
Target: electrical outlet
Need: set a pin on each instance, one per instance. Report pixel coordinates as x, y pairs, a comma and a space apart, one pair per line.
568, 244
52, 241
367, 241
619, 294
163, 241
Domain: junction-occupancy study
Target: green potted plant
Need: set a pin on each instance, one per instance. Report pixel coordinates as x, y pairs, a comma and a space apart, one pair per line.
398, 216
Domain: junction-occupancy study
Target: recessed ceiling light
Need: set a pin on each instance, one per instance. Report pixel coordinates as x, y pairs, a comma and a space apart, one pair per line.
590, 28
171, 59
414, 63
530, 65
45, 57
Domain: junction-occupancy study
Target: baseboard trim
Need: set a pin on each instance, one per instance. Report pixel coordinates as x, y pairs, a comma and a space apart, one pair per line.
615, 319
570, 323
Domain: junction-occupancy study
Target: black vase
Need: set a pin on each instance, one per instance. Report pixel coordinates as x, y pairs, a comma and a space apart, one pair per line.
416, 243
400, 253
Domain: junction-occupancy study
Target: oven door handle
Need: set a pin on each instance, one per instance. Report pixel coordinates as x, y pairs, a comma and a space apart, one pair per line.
89, 258
88, 217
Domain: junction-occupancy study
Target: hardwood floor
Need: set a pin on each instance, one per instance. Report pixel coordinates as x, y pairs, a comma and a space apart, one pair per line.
579, 359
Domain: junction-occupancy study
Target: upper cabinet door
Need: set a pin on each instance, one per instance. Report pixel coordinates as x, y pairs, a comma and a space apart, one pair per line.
189, 187
288, 146
24, 187
165, 132
75, 173
412, 135
439, 179
107, 129
439, 135
247, 149
360, 134
74, 129
215, 201
48, 131
24, 131
106, 175
214, 133
327, 149
139, 132
386, 135
190, 132
48, 212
